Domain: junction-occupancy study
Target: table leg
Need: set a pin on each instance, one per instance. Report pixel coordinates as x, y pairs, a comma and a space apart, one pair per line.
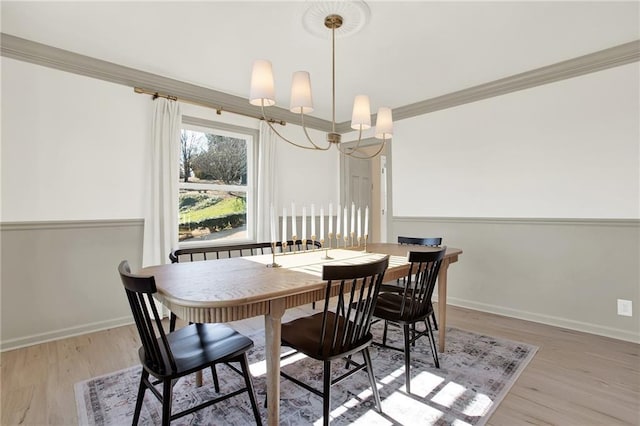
272, 327
442, 304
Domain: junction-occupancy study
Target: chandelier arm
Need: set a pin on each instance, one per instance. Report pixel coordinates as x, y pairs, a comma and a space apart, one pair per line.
367, 157
304, 127
351, 149
264, 117
359, 139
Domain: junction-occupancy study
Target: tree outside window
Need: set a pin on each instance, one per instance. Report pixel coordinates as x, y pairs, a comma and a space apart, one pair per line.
214, 184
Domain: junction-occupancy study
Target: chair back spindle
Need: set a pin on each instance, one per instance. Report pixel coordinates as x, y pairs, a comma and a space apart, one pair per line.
421, 281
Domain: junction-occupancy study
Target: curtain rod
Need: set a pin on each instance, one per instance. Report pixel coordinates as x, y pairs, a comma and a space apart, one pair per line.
219, 110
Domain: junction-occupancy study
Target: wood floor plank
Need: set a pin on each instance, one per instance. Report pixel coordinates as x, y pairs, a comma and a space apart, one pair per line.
574, 379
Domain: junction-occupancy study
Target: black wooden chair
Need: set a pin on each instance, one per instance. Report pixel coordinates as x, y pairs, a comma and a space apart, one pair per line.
236, 250
411, 305
417, 241
342, 328
193, 254
167, 357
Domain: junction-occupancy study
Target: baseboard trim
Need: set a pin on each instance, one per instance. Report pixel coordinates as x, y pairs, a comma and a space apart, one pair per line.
21, 342
613, 333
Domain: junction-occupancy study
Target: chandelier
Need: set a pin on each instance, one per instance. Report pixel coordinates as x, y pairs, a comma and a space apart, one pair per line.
262, 94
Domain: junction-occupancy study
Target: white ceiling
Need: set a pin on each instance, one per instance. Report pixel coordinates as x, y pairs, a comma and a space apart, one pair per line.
407, 52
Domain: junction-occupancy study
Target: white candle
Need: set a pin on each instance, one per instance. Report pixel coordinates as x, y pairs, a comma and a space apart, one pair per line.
353, 218
338, 220
313, 220
366, 221
359, 223
345, 222
284, 224
304, 223
321, 223
331, 218
294, 221
273, 225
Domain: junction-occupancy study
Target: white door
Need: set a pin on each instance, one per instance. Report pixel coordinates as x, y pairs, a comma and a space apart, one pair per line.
358, 187
365, 182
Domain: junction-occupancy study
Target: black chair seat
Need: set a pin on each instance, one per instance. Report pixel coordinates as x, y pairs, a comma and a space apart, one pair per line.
309, 342
199, 344
389, 307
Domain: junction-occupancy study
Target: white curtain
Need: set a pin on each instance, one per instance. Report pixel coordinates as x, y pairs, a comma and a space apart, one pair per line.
267, 195
161, 218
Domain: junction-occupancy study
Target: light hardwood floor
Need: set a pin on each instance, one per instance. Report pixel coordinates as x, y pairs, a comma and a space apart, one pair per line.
574, 379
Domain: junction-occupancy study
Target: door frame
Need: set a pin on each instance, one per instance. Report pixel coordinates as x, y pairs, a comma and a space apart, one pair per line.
377, 179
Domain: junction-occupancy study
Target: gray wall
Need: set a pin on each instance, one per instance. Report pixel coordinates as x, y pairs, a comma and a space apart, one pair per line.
566, 273
60, 278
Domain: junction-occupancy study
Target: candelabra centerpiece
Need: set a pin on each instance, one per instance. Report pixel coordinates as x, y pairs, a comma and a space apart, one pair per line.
352, 237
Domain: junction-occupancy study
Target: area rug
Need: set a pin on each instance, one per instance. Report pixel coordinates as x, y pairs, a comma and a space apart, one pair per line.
475, 374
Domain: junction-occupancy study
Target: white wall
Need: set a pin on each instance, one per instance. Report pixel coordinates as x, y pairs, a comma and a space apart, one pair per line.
569, 149
306, 176
74, 148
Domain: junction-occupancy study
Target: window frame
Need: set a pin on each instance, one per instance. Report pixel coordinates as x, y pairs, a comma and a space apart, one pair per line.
251, 135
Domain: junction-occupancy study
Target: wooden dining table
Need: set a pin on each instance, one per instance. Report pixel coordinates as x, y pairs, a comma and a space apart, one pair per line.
226, 290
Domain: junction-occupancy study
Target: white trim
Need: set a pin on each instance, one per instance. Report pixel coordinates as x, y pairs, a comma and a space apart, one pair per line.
69, 224
519, 221
614, 333
21, 342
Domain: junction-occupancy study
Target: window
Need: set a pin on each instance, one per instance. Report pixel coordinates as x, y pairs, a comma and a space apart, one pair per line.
216, 186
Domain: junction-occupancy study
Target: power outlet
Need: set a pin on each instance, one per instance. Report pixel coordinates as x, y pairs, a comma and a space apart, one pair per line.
625, 307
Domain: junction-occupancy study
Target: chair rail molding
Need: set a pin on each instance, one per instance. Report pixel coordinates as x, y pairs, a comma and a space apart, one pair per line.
69, 224
522, 220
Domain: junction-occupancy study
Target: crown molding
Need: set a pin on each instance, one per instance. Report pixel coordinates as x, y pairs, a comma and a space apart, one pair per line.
597, 61
64, 60
42, 54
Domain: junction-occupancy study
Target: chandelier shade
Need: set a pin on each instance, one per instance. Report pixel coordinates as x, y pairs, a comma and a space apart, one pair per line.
262, 87
301, 99
384, 123
361, 116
